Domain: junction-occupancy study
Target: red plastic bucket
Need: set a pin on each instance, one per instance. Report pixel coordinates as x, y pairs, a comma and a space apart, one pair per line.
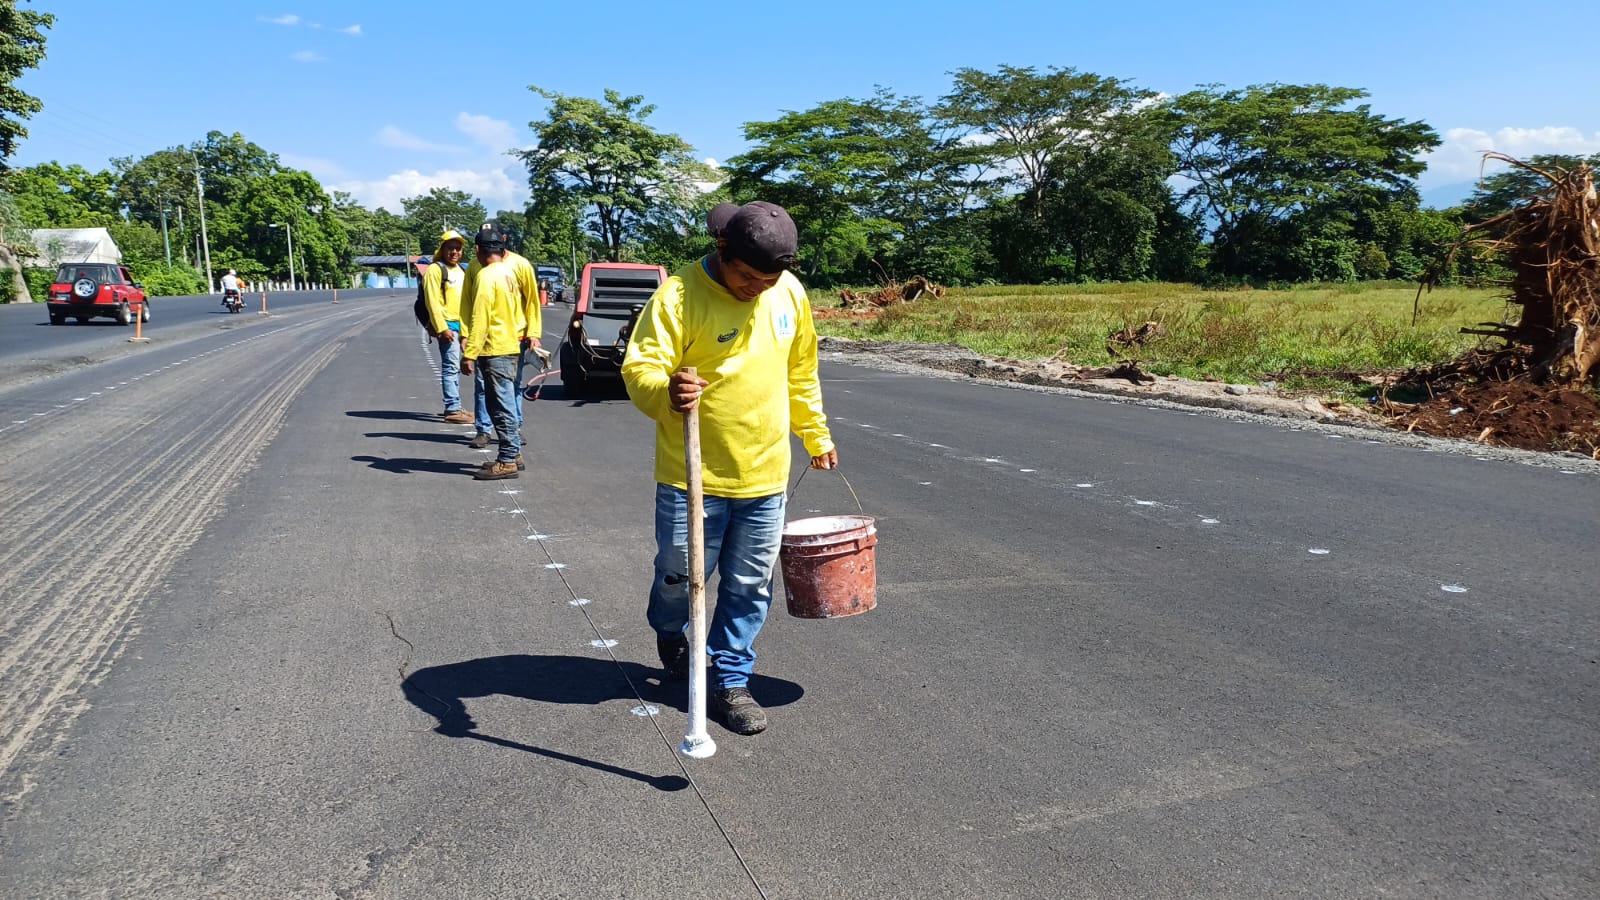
829, 566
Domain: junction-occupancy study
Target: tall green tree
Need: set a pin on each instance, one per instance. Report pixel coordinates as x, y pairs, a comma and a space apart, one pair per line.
50, 195
22, 45
604, 158
428, 215
1031, 118
867, 181
1253, 159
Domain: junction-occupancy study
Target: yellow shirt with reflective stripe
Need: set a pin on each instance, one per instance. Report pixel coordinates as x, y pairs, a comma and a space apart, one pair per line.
760, 358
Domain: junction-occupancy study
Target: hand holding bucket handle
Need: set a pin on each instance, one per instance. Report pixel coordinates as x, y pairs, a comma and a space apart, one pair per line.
697, 742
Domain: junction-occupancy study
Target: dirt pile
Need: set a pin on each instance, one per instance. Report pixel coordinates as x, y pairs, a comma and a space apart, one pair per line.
1533, 383
890, 293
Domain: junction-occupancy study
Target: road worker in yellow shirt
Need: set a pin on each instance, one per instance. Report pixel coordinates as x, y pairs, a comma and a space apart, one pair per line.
744, 323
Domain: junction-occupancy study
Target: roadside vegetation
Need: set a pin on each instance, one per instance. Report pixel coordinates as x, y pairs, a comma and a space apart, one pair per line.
1319, 338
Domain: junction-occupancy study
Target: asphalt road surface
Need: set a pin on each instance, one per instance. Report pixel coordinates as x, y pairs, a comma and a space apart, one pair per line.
262, 636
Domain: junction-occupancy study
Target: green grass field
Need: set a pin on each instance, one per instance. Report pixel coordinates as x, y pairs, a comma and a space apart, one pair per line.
1301, 337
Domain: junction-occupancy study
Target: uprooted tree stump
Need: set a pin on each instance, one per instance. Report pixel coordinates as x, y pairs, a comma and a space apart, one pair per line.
892, 292
1532, 388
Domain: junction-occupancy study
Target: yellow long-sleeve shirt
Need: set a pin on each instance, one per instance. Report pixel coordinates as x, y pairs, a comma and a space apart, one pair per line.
760, 359
525, 284
493, 321
441, 285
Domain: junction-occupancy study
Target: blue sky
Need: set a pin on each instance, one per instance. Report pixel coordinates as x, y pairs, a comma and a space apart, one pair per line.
388, 99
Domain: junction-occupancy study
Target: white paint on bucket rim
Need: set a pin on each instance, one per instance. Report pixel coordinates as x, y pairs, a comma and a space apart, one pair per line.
824, 527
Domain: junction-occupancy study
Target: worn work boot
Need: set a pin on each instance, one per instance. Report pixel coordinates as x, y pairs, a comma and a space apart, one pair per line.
674, 652
521, 466
495, 471
458, 417
737, 711
479, 440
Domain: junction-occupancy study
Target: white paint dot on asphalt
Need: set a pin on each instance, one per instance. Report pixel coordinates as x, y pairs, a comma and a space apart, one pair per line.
555, 565
510, 492
897, 434
580, 601
1210, 522
1318, 551
1146, 502
537, 537
940, 446
990, 459
646, 711
1084, 484
79, 399
1452, 588
924, 483
603, 642
1568, 472
1027, 470
19, 421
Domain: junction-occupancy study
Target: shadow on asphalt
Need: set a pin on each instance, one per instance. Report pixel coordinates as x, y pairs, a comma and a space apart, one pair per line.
401, 465
391, 414
442, 691
418, 436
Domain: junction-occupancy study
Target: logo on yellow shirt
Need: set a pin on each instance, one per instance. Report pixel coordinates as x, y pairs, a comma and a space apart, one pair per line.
724, 338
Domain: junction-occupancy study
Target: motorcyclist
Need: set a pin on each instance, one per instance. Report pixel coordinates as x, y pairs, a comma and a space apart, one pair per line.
230, 288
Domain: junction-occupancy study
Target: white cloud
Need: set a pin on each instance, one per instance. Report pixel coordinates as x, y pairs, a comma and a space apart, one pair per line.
494, 186
1459, 157
288, 19
352, 30
400, 139
324, 169
496, 134
307, 56
712, 162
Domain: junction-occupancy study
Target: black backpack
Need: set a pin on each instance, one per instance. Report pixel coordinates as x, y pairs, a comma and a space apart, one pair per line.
420, 307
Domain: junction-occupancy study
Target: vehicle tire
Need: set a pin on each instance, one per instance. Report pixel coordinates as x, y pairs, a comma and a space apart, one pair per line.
82, 320
144, 311
572, 377
124, 314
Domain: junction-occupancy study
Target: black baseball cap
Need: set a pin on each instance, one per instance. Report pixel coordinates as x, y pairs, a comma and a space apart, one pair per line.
717, 219
490, 237
762, 236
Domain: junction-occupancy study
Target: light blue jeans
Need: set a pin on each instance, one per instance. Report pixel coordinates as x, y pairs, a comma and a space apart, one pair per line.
742, 538
450, 373
481, 405
504, 399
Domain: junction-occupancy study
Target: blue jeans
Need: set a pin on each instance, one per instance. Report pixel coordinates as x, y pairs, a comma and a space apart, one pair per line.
481, 403
742, 538
450, 373
503, 397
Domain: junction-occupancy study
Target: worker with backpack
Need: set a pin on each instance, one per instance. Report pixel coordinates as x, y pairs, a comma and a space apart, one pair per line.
438, 309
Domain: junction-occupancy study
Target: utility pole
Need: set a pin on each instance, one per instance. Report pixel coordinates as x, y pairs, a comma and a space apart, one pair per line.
165, 242
200, 190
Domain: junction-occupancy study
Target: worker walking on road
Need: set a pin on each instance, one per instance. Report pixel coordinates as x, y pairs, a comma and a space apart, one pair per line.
441, 288
744, 323
494, 333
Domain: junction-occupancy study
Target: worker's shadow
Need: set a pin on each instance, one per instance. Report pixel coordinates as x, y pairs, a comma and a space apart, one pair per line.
442, 691
391, 414
401, 465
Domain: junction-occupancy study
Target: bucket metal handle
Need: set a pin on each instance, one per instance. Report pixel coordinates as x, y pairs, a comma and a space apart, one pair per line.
841, 475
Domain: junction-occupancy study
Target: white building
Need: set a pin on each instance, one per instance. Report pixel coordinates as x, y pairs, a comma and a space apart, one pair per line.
71, 245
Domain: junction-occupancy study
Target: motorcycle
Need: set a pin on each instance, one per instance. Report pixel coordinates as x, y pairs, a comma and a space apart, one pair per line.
232, 300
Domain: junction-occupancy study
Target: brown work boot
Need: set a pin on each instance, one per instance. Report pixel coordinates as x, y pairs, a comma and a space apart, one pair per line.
737, 711
458, 417
479, 441
495, 471
521, 466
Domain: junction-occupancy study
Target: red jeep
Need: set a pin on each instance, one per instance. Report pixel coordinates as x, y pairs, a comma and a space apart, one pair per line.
86, 290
